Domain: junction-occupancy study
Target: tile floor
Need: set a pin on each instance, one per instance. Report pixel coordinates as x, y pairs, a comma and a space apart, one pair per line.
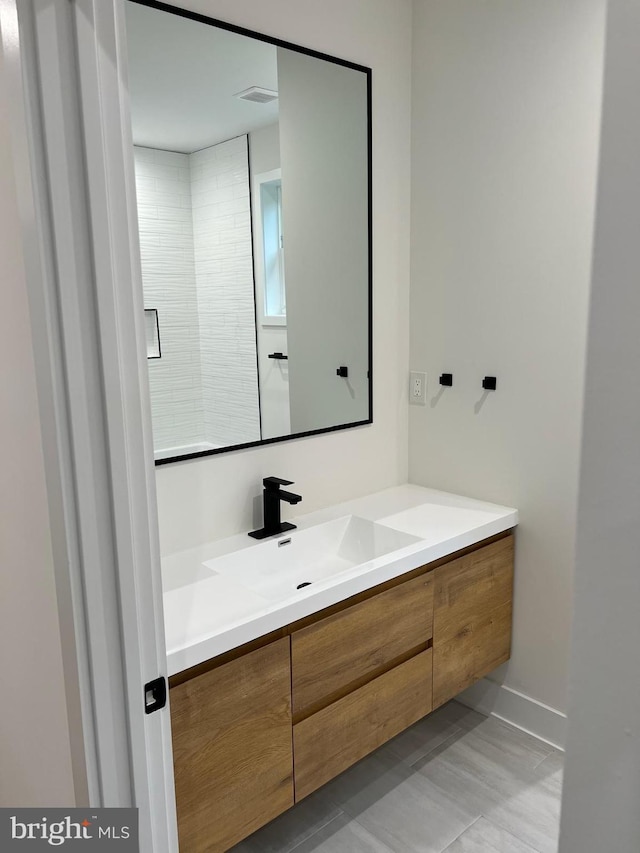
456, 782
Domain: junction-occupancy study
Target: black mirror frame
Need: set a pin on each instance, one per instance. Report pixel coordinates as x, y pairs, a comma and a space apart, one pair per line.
214, 22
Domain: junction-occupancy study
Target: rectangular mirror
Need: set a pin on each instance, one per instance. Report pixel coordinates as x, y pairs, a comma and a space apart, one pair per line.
253, 178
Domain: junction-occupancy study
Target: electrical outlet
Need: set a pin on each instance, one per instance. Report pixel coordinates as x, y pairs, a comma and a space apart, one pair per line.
417, 388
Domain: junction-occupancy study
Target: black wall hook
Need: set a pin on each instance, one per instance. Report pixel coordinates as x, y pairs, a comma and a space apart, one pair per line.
446, 379
342, 371
489, 383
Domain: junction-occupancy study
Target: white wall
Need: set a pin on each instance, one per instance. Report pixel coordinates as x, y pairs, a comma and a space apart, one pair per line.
35, 759
602, 777
505, 139
165, 221
212, 498
264, 149
224, 280
323, 140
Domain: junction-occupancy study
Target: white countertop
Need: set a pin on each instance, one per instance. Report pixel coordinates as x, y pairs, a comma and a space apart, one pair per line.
207, 615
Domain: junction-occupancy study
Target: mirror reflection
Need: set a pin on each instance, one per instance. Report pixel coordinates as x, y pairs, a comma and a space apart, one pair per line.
252, 180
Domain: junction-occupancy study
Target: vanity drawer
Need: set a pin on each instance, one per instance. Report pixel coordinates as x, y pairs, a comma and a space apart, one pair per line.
328, 742
337, 654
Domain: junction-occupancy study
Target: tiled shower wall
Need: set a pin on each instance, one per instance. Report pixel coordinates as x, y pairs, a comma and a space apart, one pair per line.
163, 185
224, 275
197, 270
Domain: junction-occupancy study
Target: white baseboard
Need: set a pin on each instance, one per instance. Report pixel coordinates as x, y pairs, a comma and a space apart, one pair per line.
521, 711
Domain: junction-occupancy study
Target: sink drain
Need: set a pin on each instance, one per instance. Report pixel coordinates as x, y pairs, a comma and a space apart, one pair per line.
305, 583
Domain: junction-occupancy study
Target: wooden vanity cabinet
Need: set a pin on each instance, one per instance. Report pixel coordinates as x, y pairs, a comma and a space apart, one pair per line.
275, 721
358, 678
232, 750
471, 617
331, 740
337, 654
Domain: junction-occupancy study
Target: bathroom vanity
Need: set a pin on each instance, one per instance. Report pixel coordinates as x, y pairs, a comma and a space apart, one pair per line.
337, 668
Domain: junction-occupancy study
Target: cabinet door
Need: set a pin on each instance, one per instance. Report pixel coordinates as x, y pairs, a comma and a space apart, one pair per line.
339, 653
232, 749
472, 618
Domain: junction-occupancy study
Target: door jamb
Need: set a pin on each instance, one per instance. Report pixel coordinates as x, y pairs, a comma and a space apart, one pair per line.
76, 191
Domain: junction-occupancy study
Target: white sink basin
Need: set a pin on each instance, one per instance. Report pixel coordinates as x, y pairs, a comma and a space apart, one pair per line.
290, 565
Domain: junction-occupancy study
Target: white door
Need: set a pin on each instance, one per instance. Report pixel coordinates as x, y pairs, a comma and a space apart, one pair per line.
87, 279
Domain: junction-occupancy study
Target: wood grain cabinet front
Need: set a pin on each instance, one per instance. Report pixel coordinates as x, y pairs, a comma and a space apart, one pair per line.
232, 749
333, 739
472, 618
338, 654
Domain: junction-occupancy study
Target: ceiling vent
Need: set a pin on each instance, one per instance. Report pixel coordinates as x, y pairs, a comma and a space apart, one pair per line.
258, 95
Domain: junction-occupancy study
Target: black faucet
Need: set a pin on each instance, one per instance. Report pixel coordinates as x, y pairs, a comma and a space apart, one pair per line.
271, 497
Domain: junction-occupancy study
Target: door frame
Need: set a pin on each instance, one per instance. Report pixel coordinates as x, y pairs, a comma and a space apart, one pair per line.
76, 186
